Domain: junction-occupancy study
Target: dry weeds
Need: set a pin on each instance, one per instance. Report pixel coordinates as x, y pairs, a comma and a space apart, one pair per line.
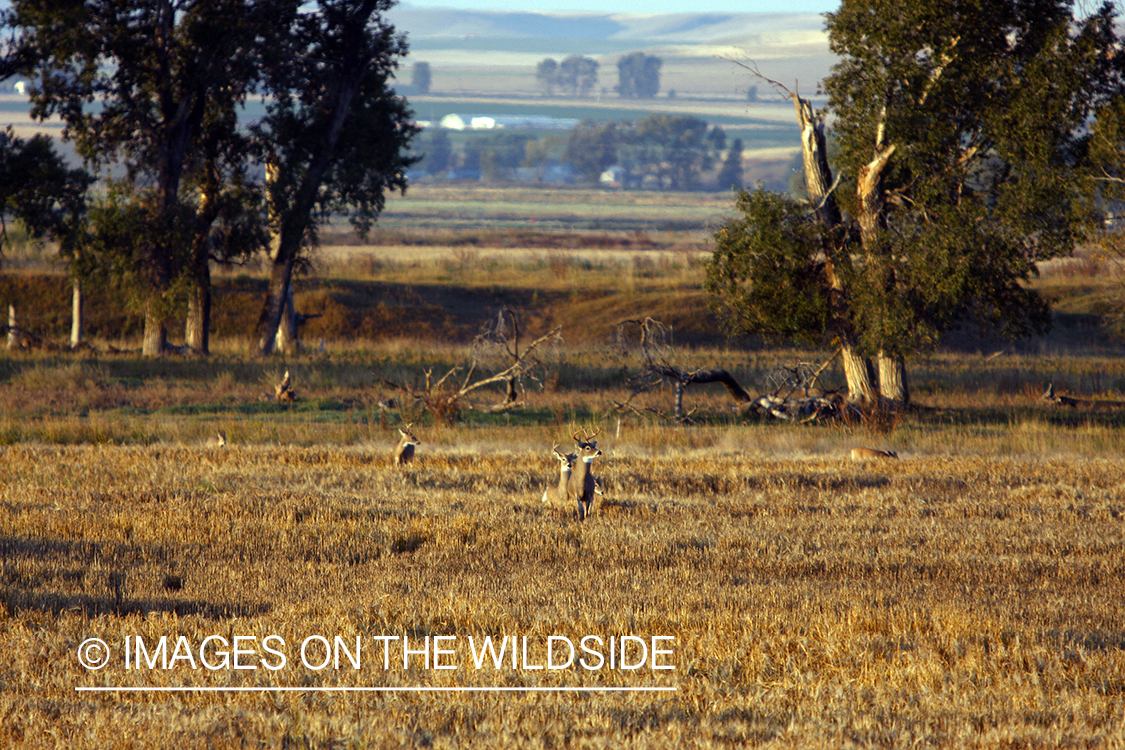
944, 601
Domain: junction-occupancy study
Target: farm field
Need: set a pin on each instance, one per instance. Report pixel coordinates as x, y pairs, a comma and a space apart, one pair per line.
968, 594
970, 601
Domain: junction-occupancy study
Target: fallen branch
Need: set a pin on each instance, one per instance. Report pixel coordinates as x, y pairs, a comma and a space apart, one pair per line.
1080, 403
445, 401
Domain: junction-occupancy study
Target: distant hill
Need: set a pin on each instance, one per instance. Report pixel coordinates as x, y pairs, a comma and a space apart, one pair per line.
674, 28
494, 53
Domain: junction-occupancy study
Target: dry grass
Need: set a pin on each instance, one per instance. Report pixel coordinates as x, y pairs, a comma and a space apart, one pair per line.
968, 595
969, 602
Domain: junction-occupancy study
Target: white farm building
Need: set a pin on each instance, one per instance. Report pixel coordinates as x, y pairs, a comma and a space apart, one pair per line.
494, 122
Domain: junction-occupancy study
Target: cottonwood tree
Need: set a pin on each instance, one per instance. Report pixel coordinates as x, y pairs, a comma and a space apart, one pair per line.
547, 74
638, 76
591, 147
336, 136
136, 83
960, 129
47, 197
730, 173
577, 75
39, 190
1106, 187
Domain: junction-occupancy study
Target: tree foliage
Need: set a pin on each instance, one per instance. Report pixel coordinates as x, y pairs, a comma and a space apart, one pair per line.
767, 271
575, 75
39, 190
591, 147
730, 173
336, 134
961, 128
139, 85
638, 76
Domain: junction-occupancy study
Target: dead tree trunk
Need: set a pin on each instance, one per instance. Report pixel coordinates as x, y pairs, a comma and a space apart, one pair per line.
858, 370
872, 222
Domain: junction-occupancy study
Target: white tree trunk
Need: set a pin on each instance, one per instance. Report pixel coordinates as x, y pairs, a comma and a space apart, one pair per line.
893, 385
859, 375
76, 312
13, 328
155, 335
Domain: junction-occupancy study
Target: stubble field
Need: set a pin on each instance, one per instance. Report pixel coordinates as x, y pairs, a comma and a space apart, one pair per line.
966, 600
767, 591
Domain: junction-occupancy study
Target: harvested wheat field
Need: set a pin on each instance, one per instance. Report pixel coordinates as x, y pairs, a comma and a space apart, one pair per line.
934, 601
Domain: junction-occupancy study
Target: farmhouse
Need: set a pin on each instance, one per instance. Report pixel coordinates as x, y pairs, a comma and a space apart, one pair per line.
494, 122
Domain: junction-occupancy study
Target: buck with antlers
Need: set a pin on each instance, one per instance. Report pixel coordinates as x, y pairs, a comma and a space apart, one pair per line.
561, 493
404, 449
583, 485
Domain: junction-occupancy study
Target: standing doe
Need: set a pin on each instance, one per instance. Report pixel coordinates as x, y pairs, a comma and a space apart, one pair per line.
566, 468
404, 449
583, 485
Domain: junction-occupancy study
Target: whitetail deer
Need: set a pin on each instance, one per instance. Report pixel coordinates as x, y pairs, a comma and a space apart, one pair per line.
404, 449
284, 392
561, 493
582, 482
871, 454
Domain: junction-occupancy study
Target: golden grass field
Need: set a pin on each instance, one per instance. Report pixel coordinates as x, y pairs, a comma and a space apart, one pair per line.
969, 594
966, 601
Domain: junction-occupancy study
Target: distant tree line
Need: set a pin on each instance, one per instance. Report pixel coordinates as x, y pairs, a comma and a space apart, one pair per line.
179, 181
576, 75
662, 152
638, 76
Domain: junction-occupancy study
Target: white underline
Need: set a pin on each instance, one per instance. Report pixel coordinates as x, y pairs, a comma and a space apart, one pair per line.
375, 689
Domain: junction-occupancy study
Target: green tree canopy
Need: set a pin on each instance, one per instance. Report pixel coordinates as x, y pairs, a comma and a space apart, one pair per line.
730, 173
38, 189
578, 75
335, 133
139, 84
961, 127
591, 147
547, 74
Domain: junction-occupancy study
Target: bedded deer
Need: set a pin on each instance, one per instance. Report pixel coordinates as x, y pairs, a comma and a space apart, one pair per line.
582, 481
871, 454
404, 449
561, 493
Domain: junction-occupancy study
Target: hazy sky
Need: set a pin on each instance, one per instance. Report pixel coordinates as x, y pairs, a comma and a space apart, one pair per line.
636, 6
